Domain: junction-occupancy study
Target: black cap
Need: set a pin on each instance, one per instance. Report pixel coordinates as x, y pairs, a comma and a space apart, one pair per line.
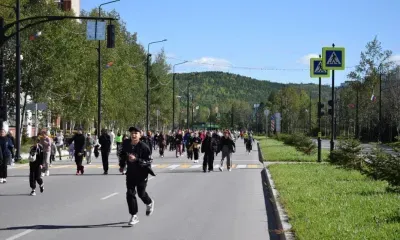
134, 129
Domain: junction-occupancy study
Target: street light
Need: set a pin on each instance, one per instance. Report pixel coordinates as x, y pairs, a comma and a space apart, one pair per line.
99, 76
147, 84
173, 93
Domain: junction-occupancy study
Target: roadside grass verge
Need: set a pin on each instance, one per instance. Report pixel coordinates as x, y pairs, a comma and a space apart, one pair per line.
325, 202
276, 151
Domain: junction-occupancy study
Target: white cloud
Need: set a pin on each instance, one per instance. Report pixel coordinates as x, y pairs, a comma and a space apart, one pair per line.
395, 59
212, 63
306, 59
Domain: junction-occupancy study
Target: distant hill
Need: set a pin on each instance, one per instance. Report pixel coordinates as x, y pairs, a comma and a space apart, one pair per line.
217, 86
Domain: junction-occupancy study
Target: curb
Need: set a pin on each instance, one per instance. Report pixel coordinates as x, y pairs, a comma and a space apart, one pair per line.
281, 218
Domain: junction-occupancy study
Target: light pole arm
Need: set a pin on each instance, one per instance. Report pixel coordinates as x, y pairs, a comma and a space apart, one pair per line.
4, 38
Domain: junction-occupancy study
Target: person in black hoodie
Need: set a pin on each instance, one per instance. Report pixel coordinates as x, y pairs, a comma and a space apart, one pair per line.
36, 163
105, 142
227, 146
135, 154
79, 145
5, 145
208, 148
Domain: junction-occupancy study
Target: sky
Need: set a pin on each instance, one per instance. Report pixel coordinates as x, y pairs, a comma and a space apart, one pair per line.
266, 40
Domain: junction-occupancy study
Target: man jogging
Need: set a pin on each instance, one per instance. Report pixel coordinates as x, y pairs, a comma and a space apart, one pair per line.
135, 154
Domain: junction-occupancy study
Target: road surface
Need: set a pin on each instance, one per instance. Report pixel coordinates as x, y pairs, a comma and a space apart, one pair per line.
189, 204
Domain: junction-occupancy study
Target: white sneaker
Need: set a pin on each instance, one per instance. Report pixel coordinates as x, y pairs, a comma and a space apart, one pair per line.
47, 173
1, 180
4, 180
221, 169
230, 169
150, 208
133, 221
33, 193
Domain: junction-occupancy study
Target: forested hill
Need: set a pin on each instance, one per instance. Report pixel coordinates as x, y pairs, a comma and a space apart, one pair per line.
233, 86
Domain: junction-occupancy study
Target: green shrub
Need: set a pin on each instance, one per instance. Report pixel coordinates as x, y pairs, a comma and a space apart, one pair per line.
301, 142
347, 155
383, 166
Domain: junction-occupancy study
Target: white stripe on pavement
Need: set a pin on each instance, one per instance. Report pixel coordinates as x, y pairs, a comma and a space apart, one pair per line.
216, 166
171, 167
20, 234
154, 165
63, 166
241, 166
196, 166
113, 194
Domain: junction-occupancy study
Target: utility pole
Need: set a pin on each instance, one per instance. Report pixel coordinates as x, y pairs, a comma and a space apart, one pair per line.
148, 85
187, 107
18, 85
380, 107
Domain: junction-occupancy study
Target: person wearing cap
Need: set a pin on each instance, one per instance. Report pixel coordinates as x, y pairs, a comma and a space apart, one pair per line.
135, 155
5, 154
79, 145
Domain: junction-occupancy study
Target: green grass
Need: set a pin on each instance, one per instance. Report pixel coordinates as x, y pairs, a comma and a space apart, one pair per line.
23, 161
324, 202
274, 150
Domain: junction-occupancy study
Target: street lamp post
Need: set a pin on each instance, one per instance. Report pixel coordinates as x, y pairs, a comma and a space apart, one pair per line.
147, 84
173, 93
6, 37
99, 84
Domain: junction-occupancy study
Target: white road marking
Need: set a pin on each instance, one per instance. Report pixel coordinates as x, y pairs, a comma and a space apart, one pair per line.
172, 167
20, 234
154, 165
216, 166
241, 166
196, 166
63, 166
104, 198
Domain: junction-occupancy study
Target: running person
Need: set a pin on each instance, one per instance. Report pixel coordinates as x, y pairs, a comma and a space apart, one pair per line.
135, 154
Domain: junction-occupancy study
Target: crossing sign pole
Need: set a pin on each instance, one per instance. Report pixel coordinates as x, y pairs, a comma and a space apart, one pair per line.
333, 59
317, 71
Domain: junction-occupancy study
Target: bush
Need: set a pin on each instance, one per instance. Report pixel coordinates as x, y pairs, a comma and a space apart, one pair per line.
347, 155
383, 166
301, 142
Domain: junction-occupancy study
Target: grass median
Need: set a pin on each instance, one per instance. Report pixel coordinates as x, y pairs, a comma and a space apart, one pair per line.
324, 202
276, 151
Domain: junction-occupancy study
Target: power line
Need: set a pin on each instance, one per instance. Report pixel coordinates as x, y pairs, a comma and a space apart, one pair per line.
253, 68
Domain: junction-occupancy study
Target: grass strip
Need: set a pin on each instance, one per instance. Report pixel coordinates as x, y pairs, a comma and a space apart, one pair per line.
274, 150
324, 202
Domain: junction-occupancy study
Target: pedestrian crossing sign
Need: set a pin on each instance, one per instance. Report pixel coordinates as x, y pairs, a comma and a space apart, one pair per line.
316, 70
333, 58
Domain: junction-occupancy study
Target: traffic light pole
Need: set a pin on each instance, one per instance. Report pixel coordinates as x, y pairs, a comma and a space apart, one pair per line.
4, 38
333, 112
319, 120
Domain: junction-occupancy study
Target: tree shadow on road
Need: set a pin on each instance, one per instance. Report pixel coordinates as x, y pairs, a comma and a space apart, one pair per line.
51, 227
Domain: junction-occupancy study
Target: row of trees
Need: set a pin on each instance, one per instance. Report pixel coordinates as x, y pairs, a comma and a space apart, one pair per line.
59, 68
357, 101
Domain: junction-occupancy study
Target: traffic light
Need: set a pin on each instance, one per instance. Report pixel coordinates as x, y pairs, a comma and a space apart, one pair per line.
321, 110
110, 36
330, 110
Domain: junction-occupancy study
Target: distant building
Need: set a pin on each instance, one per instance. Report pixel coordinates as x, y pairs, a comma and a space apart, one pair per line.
70, 5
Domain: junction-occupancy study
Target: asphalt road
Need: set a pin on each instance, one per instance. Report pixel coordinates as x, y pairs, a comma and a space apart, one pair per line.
189, 204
